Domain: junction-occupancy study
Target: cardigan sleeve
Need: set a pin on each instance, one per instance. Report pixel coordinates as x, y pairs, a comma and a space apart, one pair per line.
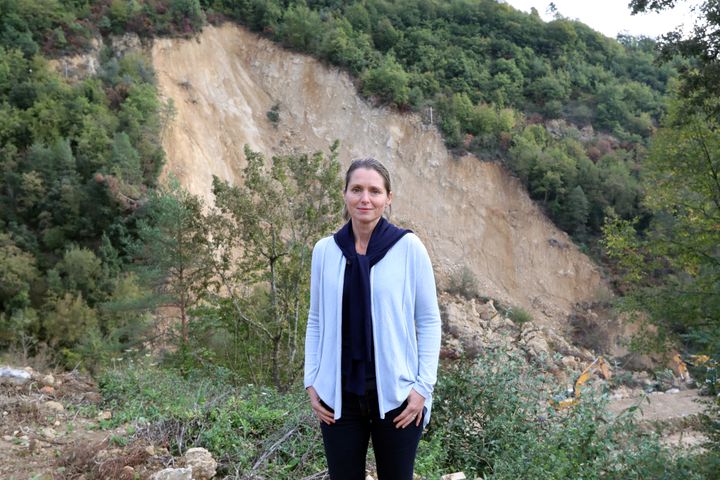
427, 322
312, 332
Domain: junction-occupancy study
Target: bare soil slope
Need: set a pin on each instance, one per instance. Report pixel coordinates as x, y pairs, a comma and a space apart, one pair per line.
468, 212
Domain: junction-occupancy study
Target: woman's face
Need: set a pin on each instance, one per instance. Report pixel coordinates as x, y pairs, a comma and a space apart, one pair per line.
365, 196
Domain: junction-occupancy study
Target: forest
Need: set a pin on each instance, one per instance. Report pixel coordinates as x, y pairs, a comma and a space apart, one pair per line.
617, 139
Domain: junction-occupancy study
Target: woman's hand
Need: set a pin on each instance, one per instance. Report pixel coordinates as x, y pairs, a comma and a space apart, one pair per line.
323, 414
413, 412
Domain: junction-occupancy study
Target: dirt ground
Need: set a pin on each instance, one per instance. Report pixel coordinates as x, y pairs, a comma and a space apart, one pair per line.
52, 428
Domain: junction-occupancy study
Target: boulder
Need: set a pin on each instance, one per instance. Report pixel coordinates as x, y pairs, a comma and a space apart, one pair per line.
201, 462
454, 476
173, 474
54, 406
14, 376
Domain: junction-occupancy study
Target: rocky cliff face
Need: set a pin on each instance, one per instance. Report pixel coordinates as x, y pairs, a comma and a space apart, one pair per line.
468, 212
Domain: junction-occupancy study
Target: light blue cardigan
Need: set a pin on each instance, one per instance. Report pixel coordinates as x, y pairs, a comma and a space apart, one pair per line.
405, 317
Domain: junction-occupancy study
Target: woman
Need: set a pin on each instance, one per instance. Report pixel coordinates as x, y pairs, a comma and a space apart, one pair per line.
373, 334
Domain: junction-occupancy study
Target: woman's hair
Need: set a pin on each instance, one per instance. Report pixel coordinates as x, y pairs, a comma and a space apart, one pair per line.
370, 164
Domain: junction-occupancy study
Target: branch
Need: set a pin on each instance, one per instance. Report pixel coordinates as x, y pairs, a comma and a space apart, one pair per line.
274, 447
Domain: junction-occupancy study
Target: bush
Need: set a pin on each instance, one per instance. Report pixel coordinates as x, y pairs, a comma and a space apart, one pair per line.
252, 431
519, 315
463, 283
494, 420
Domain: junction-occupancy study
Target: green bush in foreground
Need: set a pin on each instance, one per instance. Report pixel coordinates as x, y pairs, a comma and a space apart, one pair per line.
250, 430
496, 422
491, 419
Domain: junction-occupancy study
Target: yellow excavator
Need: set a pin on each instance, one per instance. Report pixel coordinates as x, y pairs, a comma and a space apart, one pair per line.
572, 396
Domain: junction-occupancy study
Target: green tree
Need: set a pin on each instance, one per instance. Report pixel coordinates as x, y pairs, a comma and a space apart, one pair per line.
388, 81
174, 250
675, 265
274, 218
17, 273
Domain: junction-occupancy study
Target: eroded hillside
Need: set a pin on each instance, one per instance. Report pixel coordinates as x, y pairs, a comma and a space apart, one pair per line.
468, 212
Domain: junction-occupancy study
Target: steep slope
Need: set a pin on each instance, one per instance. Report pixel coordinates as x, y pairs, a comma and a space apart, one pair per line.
469, 213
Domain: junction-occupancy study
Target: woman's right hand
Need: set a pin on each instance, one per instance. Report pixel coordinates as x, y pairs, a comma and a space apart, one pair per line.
322, 413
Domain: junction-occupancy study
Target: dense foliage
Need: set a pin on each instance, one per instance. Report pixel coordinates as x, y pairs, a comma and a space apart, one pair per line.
80, 158
490, 418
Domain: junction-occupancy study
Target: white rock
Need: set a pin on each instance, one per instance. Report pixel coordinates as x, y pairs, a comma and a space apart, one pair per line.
202, 463
14, 376
673, 390
173, 474
48, 433
55, 406
454, 476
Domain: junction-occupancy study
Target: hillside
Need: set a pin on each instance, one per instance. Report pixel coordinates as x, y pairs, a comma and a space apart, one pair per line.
469, 213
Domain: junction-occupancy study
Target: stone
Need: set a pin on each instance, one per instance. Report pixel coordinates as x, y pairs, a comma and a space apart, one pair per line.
570, 362
454, 476
14, 376
54, 406
48, 380
150, 450
202, 463
173, 474
127, 473
48, 433
104, 415
673, 390
47, 390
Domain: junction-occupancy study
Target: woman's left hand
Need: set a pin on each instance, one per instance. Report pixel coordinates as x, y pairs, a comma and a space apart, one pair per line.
413, 412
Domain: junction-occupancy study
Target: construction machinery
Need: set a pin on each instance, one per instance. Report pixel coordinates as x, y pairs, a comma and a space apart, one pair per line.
572, 395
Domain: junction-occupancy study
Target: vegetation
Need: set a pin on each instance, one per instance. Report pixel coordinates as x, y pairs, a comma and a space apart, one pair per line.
491, 418
604, 138
494, 77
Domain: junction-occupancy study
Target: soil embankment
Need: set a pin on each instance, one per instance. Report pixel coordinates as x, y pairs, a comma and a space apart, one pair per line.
468, 212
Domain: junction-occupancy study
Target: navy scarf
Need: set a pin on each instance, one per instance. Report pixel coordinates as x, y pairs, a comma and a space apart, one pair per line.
357, 341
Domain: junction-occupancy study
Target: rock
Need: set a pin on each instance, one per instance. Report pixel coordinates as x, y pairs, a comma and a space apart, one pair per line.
454, 476
48, 380
150, 450
173, 474
54, 406
571, 363
127, 473
125, 43
48, 433
534, 340
104, 415
202, 463
487, 310
14, 376
47, 390
673, 390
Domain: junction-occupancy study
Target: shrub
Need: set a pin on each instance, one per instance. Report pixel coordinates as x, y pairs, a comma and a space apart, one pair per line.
519, 315
494, 420
464, 283
252, 431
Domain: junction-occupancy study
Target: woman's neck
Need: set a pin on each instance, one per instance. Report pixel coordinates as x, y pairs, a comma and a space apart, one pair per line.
362, 233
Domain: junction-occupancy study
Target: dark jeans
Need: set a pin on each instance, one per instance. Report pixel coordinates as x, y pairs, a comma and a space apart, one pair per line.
346, 441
